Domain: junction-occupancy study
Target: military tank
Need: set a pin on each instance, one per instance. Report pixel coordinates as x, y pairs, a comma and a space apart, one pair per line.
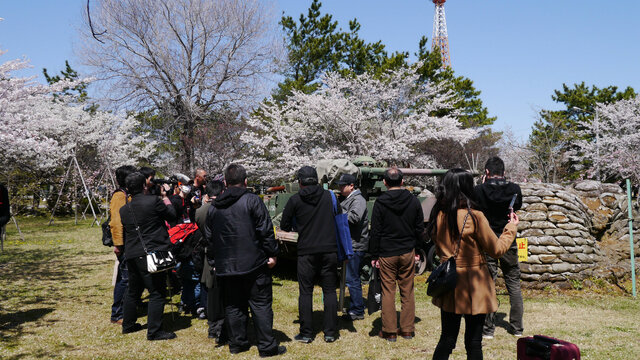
369, 173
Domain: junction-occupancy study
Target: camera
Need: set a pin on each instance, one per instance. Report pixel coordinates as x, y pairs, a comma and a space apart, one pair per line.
177, 180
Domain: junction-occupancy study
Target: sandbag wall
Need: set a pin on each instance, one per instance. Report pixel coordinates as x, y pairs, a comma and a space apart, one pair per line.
558, 226
576, 231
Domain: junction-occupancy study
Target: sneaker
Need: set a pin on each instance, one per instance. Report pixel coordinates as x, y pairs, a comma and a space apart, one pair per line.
162, 335
201, 313
330, 339
303, 339
517, 333
355, 316
487, 336
277, 351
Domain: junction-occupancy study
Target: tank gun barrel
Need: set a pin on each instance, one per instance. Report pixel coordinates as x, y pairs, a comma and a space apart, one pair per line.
406, 171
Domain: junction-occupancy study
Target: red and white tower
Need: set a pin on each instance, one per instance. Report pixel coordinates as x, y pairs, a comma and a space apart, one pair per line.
440, 37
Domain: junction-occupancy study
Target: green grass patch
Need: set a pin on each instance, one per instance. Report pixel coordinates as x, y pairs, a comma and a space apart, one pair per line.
56, 293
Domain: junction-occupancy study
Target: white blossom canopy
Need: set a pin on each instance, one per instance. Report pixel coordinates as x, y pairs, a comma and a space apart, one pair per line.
351, 116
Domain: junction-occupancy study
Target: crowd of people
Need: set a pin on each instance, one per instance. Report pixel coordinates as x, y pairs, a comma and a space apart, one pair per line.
223, 237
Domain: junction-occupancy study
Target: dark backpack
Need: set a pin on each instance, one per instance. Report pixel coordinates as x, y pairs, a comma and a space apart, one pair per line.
107, 238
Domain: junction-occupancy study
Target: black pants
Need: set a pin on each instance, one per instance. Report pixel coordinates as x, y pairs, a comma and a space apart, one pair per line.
511, 272
250, 291
156, 284
215, 310
449, 336
326, 266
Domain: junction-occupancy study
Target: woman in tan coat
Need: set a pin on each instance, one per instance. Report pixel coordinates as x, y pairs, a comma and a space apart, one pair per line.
474, 295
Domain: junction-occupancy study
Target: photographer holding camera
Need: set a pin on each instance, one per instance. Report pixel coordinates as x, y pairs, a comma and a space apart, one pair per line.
143, 219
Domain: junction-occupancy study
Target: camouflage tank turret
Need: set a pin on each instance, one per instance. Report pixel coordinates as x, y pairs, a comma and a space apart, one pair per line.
368, 173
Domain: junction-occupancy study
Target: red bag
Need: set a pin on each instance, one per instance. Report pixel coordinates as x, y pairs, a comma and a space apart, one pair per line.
180, 232
540, 347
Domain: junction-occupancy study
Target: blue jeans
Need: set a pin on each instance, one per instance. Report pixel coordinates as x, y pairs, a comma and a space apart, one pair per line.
122, 283
190, 285
356, 305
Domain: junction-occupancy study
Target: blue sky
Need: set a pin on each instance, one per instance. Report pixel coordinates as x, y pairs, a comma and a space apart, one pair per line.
516, 51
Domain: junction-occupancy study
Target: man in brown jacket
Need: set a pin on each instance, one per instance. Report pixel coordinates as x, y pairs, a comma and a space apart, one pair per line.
118, 200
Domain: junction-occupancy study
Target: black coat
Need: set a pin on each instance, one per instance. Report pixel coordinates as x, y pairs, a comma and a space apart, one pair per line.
240, 233
310, 213
397, 223
150, 214
5, 215
493, 198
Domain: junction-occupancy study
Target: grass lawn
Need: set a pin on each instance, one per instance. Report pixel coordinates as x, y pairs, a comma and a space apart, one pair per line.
56, 293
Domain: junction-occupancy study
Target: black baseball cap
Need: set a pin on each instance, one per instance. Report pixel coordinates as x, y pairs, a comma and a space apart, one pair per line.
346, 179
307, 173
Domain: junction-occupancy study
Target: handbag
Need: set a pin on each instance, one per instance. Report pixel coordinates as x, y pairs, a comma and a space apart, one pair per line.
445, 277
159, 260
374, 295
343, 234
107, 238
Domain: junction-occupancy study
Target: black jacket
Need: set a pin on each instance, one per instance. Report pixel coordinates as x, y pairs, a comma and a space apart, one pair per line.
5, 214
184, 210
150, 214
493, 198
397, 224
240, 233
310, 213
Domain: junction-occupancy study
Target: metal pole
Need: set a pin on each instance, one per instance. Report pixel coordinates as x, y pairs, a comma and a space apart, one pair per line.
75, 197
64, 181
597, 145
343, 282
86, 190
633, 260
17, 227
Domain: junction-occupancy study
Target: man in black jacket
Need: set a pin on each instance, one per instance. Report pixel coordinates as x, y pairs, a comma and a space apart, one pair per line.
143, 220
311, 209
242, 243
397, 223
5, 214
494, 196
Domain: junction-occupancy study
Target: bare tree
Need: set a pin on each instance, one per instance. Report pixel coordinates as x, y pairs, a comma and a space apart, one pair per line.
181, 60
547, 143
517, 155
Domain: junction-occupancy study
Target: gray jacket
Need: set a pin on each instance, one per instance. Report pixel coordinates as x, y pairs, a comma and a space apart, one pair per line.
355, 206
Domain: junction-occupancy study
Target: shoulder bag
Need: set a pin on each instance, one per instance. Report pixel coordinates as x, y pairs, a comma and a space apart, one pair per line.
444, 278
157, 261
343, 234
374, 295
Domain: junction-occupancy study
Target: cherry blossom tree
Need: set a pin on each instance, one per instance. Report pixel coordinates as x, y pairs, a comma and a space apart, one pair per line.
517, 156
385, 118
19, 138
39, 133
614, 145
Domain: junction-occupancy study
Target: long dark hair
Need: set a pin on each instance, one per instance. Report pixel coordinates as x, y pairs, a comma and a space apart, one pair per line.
454, 192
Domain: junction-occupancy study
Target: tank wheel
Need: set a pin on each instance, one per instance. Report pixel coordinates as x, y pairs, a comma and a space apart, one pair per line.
432, 259
421, 265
